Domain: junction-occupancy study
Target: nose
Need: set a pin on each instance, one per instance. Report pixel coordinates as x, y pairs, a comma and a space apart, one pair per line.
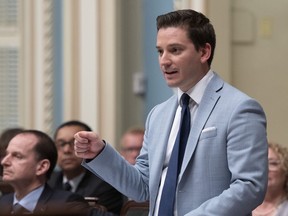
164, 60
5, 160
68, 148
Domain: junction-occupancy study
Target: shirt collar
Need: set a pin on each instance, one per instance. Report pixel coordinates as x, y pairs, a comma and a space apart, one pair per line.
31, 199
197, 91
74, 182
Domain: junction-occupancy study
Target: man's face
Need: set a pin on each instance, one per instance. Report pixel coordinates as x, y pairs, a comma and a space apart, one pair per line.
20, 165
181, 64
131, 146
64, 141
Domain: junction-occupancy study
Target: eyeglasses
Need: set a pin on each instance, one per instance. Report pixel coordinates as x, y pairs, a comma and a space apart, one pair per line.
274, 165
60, 144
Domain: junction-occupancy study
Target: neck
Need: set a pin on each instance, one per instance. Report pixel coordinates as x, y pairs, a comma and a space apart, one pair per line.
269, 205
274, 198
21, 191
70, 174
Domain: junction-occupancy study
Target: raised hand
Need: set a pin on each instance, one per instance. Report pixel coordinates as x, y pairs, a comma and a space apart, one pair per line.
87, 144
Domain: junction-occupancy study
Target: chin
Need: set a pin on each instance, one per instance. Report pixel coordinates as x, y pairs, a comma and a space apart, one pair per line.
172, 85
69, 168
6, 178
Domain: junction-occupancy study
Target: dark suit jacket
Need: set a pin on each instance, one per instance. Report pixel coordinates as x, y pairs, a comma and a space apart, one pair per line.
93, 186
51, 202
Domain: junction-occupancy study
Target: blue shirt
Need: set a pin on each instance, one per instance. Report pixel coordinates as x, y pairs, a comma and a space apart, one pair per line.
30, 200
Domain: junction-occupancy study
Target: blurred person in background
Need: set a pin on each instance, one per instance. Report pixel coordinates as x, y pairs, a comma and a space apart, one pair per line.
74, 177
275, 202
131, 144
5, 138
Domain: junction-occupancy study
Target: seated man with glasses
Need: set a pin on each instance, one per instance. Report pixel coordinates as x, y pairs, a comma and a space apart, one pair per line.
72, 176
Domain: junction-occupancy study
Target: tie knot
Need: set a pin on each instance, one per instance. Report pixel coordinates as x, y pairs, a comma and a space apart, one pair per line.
185, 99
67, 186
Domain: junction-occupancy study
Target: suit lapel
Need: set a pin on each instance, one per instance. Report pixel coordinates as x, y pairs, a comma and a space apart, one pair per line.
206, 106
161, 130
6, 204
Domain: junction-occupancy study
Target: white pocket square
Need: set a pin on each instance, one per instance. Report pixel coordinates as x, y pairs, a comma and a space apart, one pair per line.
208, 129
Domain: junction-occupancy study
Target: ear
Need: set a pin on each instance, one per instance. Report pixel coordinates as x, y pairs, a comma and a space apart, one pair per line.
42, 167
205, 53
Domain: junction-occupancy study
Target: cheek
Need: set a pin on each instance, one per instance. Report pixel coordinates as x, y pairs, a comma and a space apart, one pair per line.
60, 155
187, 66
282, 179
26, 171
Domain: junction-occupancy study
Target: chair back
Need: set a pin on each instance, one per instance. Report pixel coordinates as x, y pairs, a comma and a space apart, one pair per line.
93, 202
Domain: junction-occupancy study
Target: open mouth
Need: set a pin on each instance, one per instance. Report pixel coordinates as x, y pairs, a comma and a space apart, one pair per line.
170, 72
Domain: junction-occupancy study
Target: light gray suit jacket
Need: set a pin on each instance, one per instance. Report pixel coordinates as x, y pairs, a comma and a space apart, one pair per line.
224, 170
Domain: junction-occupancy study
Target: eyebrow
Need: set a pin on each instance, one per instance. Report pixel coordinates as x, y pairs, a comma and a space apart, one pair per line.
173, 45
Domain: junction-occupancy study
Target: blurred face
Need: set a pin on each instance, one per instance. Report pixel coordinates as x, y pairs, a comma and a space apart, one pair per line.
64, 140
181, 64
276, 177
131, 146
20, 165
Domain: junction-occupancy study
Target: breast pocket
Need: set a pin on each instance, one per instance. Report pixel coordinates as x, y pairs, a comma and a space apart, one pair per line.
208, 133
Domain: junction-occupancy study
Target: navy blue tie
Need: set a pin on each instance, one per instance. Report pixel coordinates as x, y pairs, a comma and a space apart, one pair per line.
67, 186
166, 207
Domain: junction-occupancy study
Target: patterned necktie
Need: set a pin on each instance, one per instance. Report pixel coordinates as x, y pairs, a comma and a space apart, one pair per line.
67, 186
166, 207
